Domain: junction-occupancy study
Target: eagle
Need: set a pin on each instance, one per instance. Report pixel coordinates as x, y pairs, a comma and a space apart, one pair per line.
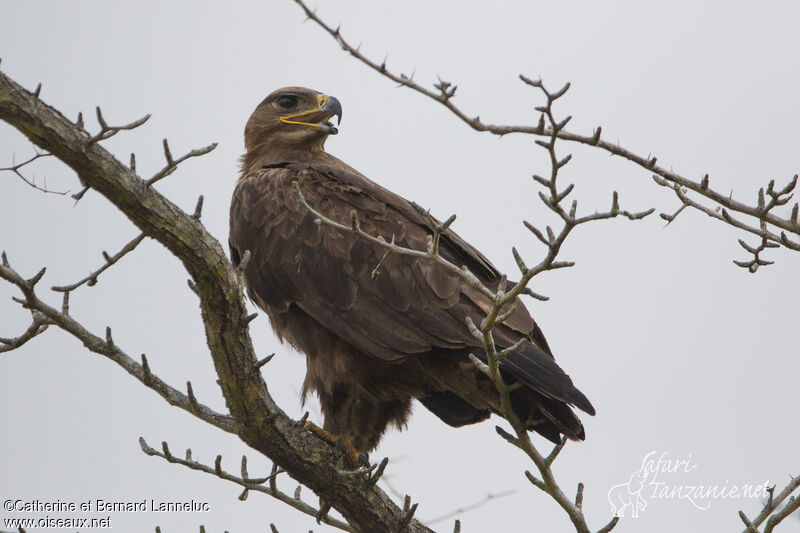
378, 330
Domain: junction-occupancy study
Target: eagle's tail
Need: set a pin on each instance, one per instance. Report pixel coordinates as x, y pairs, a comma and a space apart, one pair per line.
547, 393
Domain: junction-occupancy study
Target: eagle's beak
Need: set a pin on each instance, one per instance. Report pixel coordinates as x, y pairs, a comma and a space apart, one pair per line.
327, 108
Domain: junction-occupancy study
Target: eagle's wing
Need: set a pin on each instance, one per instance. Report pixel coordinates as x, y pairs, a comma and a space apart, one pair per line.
388, 306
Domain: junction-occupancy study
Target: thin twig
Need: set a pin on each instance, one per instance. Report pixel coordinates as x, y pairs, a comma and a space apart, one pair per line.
248, 483
443, 92
106, 347
91, 279
172, 164
15, 168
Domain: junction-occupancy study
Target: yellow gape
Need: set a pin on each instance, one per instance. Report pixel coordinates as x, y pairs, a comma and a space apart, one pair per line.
322, 99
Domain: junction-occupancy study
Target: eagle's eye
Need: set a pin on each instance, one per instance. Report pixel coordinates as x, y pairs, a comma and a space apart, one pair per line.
287, 101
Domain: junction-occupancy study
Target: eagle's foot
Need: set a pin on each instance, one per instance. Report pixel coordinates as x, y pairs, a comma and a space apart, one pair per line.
353, 458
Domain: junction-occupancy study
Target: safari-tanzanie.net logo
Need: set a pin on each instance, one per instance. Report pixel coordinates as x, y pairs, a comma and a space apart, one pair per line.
661, 477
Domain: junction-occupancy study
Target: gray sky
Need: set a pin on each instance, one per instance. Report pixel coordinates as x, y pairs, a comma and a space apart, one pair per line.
680, 351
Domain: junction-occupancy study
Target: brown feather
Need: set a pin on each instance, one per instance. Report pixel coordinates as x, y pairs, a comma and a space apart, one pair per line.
373, 344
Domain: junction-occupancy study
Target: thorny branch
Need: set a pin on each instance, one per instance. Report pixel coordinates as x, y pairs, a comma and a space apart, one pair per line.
107, 131
552, 197
772, 512
172, 164
39, 324
266, 485
91, 279
466, 508
254, 416
763, 213
15, 168
44, 315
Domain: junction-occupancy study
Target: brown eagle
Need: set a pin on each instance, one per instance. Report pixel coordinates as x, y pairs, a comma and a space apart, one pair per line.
374, 342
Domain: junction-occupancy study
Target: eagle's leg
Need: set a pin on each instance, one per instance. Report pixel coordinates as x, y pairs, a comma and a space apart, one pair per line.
352, 456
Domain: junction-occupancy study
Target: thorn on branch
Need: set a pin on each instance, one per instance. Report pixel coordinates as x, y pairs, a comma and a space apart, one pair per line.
147, 376
531, 82
198, 208
35, 279
507, 436
536, 232
145, 447
65, 303
747, 523
408, 516
596, 136
373, 479
579, 496
302, 421
473, 329
535, 295
559, 93
190, 392
480, 365
193, 286
535, 481
377, 270
673, 216
561, 125
520, 263
564, 161
172, 164
80, 194
505, 315
511, 349
261, 362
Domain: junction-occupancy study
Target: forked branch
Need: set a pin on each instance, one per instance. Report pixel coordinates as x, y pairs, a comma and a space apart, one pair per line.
785, 227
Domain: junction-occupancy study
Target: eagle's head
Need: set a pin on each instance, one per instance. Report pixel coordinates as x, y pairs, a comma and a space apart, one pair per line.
292, 118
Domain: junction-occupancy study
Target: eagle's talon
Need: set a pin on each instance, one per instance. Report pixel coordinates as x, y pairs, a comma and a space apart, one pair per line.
324, 507
353, 458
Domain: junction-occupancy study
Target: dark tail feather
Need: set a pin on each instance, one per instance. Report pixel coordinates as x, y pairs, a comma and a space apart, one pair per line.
549, 418
537, 370
452, 410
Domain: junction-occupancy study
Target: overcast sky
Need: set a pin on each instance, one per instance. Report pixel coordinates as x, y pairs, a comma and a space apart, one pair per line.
680, 351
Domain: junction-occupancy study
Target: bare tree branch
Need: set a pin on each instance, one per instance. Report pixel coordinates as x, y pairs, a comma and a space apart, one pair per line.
44, 314
172, 164
91, 279
39, 324
503, 297
467, 508
15, 168
265, 485
444, 91
772, 512
256, 418
107, 131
